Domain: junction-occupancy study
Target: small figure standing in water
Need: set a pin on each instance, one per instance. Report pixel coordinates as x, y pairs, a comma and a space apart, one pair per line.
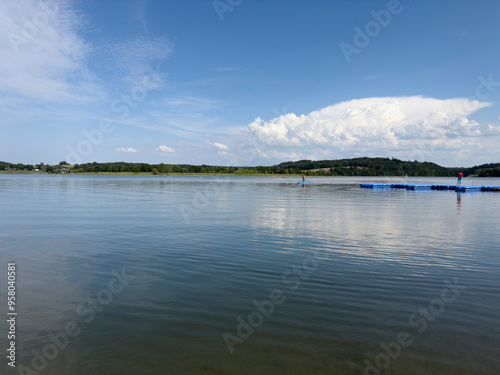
303, 178
460, 176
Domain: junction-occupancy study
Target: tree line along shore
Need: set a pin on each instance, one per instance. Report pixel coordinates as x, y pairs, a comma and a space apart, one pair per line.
341, 167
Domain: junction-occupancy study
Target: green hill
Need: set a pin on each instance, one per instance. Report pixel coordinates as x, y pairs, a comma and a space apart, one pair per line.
370, 167
364, 166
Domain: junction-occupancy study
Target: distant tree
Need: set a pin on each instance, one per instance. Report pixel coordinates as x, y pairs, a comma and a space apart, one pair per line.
195, 169
490, 172
155, 171
63, 163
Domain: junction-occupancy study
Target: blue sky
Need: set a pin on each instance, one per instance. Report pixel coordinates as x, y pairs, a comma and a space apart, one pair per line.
233, 82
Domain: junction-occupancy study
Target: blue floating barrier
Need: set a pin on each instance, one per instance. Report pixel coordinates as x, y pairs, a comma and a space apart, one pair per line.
431, 187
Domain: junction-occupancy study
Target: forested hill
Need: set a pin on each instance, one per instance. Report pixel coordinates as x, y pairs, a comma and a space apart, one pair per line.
386, 167
343, 167
484, 170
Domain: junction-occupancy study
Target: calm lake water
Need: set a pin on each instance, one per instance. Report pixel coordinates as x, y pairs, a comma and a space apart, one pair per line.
193, 275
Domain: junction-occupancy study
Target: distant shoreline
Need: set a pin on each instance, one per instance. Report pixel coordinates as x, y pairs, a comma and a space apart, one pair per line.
151, 174
215, 174
362, 166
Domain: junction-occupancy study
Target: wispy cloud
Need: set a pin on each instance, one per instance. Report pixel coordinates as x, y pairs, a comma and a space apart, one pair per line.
45, 62
138, 14
227, 69
131, 60
279, 155
123, 149
185, 124
199, 82
189, 104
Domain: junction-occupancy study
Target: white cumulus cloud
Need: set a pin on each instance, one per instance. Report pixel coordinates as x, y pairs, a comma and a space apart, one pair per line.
165, 149
221, 146
375, 124
123, 149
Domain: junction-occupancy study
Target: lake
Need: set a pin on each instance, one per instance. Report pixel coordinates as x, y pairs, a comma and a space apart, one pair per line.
249, 275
